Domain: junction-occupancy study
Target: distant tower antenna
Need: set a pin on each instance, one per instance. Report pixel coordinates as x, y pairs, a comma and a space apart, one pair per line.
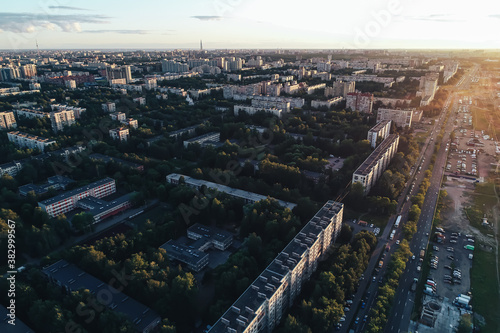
37, 48
201, 45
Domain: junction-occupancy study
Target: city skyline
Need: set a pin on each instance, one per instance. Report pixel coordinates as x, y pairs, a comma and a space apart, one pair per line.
229, 24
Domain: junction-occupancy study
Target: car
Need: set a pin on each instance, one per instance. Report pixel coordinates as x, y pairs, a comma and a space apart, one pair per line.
371, 225
346, 309
434, 267
470, 240
451, 257
453, 240
397, 242
435, 248
349, 301
468, 236
455, 281
356, 321
365, 318
419, 268
338, 327
342, 319
450, 249
447, 276
374, 279
448, 267
447, 281
454, 234
363, 304
413, 257
427, 234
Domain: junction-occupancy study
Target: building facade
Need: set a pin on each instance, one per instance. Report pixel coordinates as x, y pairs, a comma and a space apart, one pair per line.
362, 102
65, 202
263, 305
402, 118
25, 140
379, 132
120, 133
60, 119
375, 164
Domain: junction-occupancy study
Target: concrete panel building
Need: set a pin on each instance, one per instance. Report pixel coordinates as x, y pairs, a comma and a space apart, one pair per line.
7, 120
360, 102
402, 118
374, 166
25, 140
263, 305
379, 132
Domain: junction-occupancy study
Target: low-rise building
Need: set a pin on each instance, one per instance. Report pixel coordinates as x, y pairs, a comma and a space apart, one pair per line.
72, 278
251, 110
25, 140
218, 238
108, 107
120, 116
204, 139
195, 259
247, 197
10, 168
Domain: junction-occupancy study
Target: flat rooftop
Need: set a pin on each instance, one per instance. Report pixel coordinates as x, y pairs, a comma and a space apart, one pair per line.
76, 191
73, 277
19, 327
183, 252
210, 232
250, 196
201, 137
371, 160
379, 125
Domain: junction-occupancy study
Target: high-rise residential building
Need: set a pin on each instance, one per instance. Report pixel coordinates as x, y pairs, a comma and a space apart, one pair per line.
70, 84
402, 118
340, 88
379, 132
62, 118
7, 120
25, 140
375, 164
120, 133
28, 71
108, 107
150, 83
77, 111
9, 73
263, 305
362, 102
120, 116
171, 66
123, 72
428, 87
233, 64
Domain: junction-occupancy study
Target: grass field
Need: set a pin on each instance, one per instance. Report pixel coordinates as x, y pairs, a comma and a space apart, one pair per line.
485, 293
485, 120
483, 201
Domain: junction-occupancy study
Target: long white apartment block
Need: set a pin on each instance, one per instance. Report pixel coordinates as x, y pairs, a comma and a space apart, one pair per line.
265, 303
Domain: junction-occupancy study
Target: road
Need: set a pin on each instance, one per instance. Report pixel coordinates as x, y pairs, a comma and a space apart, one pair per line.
399, 318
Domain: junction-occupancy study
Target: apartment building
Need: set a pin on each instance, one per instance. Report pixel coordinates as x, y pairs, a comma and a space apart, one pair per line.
340, 88
379, 132
263, 305
108, 107
10, 168
248, 197
25, 140
253, 110
7, 120
61, 119
402, 118
375, 164
77, 111
362, 102
120, 133
30, 113
328, 103
67, 201
120, 116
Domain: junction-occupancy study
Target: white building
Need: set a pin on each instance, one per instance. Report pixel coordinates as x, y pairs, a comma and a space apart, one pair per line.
7, 120
60, 119
120, 116
119, 133
25, 140
108, 107
252, 110
375, 165
402, 118
360, 102
379, 132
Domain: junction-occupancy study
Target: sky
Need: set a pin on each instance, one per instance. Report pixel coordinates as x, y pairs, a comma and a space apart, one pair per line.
256, 24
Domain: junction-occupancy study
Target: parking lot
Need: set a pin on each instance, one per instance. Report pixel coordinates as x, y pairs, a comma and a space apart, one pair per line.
450, 271
452, 256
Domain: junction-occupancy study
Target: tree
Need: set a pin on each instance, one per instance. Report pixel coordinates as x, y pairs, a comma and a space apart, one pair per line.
465, 324
83, 222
